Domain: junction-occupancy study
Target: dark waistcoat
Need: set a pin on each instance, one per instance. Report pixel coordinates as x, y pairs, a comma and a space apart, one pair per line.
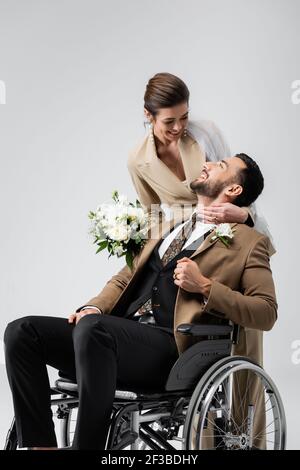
156, 282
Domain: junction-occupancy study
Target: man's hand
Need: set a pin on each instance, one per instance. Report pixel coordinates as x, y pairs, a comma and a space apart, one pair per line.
78, 315
224, 212
188, 276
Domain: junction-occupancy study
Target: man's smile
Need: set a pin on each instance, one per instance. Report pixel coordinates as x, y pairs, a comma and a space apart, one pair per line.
203, 175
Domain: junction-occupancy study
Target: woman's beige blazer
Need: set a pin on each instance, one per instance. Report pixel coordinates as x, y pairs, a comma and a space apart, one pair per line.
155, 183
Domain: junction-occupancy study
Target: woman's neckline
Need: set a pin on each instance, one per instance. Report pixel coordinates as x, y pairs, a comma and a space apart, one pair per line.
167, 167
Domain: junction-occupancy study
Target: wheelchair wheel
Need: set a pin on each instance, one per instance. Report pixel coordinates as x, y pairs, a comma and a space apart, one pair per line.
235, 406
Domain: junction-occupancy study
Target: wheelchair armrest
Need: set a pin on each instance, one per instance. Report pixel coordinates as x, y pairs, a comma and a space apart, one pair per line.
197, 329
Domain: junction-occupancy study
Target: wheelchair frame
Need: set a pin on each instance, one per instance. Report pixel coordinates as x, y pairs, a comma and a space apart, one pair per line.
201, 368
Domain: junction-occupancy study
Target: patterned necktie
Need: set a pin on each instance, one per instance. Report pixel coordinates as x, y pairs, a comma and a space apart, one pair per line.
173, 250
179, 241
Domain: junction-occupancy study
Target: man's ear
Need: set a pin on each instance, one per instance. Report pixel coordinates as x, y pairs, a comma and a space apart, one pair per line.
234, 190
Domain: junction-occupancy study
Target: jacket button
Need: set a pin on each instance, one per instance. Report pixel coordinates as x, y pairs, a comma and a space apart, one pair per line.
154, 288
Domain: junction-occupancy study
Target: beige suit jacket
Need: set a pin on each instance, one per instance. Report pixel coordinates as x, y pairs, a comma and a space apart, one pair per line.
242, 288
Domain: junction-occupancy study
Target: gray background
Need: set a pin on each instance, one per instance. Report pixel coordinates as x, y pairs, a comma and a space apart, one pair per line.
75, 74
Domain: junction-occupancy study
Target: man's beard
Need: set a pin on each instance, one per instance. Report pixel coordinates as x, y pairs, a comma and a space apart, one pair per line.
208, 189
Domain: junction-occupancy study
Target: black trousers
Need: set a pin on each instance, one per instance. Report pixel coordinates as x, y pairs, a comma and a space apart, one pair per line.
102, 352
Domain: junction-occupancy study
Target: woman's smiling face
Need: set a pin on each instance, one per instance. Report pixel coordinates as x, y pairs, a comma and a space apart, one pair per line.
169, 123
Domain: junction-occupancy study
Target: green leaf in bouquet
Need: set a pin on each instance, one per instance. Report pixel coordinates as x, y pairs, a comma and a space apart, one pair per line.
100, 248
102, 245
115, 195
129, 259
91, 215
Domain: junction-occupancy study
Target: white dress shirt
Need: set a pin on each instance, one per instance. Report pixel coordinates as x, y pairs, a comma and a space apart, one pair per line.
91, 306
199, 230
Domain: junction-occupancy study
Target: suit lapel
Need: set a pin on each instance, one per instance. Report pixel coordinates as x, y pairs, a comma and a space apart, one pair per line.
192, 157
207, 243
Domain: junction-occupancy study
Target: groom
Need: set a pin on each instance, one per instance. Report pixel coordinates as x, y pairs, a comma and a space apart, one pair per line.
188, 275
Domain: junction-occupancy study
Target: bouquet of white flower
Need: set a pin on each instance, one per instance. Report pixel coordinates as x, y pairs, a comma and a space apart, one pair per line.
121, 227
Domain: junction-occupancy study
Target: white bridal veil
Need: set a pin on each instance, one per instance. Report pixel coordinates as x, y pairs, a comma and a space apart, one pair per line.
210, 139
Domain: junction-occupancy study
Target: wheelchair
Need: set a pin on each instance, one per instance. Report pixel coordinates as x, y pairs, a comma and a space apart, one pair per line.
208, 403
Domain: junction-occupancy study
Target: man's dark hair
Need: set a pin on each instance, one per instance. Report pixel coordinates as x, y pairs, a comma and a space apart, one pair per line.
251, 179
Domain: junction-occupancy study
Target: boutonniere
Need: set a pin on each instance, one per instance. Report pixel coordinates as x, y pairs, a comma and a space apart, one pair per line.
225, 233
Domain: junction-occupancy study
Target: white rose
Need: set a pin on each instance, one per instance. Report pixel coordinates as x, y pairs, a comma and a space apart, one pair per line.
224, 230
117, 232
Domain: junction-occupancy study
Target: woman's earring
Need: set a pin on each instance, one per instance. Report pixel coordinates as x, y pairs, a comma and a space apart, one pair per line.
185, 133
151, 133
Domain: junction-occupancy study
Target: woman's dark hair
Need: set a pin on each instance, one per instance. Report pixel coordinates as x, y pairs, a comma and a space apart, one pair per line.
251, 179
165, 90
